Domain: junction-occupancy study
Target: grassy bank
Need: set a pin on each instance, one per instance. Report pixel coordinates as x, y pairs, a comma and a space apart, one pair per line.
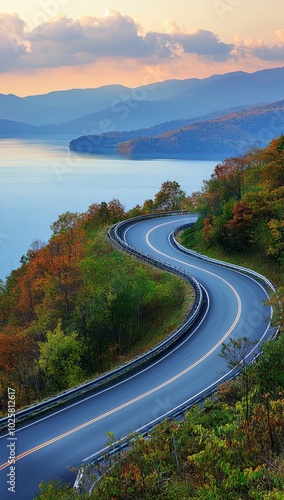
255, 260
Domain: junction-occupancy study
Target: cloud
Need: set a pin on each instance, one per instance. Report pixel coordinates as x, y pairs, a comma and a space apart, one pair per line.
279, 34
115, 35
13, 41
62, 41
269, 53
107, 36
199, 42
262, 51
92, 38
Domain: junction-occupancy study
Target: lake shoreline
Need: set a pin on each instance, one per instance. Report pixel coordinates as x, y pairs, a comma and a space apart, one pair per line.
41, 179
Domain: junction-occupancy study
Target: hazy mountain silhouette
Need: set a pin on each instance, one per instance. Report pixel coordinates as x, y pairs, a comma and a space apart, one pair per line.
117, 108
9, 128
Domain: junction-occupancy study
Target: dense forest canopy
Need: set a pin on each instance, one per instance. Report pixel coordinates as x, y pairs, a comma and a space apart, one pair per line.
242, 206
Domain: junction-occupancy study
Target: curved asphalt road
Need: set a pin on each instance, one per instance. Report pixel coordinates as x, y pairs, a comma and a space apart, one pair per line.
46, 447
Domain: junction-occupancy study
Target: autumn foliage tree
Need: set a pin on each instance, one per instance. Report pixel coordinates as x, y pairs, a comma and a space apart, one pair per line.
18, 353
170, 197
104, 213
239, 227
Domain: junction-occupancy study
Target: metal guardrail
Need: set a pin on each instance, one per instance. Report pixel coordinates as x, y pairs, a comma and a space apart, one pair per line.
83, 481
86, 478
234, 267
66, 396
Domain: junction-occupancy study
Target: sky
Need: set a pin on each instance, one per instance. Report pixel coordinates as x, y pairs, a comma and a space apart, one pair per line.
48, 45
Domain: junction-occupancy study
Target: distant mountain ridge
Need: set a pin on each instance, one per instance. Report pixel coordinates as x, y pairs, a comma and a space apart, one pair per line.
114, 108
9, 128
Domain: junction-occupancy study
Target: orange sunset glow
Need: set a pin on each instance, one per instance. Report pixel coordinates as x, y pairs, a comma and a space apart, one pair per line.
58, 44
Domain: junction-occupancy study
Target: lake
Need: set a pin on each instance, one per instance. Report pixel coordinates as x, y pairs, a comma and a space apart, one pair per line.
41, 179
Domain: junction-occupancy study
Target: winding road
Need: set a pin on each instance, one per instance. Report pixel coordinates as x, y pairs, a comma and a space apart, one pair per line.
71, 436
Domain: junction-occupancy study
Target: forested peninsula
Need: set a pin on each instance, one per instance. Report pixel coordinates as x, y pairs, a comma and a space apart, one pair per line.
218, 135
78, 292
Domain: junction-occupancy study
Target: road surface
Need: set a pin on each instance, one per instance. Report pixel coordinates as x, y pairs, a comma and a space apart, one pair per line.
45, 448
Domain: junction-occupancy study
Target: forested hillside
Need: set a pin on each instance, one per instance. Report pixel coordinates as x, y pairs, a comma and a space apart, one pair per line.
242, 207
77, 307
108, 142
231, 134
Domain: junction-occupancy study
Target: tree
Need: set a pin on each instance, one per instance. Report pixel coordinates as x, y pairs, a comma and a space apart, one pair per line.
239, 226
230, 177
116, 211
5, 304
148, 206
65, 222
60, 358
135, 211
18, 353
237, 354
58, 490
269, 369
103, 213
170, 196
276, 248
273, 158
92, 214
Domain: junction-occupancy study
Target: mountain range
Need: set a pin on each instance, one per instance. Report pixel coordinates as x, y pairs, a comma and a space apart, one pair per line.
116, 108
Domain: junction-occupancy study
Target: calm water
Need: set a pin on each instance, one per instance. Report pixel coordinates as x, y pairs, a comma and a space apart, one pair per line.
41, 179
